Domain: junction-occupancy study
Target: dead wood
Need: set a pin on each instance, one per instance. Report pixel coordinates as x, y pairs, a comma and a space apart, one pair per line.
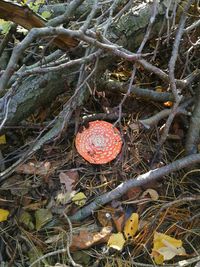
122, 31
58, 125
142, 179
25, 17
194, 128
36, 92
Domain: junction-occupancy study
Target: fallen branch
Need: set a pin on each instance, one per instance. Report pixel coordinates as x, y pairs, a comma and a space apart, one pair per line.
194, 128
116, 86
154, 120
134, 182
59, 124
28, 19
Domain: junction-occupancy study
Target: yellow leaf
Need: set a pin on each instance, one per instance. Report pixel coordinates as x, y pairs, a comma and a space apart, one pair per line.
2, 139
168, 104
166, 247
158, 258
116, 241
3, 215
46, 14
4, 26
79, 199
131, 226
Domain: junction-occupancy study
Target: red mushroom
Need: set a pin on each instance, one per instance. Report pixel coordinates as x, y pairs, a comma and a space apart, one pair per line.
99, 143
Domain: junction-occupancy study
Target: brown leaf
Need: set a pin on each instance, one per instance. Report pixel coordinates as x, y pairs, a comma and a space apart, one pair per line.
87, 239
36, 205
104, 216
43, 113
69, 178
38, 168
133, 193
118, 220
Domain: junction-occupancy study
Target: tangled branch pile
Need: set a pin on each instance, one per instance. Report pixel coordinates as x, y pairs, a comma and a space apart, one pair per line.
133, 63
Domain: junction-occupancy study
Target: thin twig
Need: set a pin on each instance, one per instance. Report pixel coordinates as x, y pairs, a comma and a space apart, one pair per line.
176, 202
63, 250
173, 86
87, 22
139, 51
64, 18
70, 241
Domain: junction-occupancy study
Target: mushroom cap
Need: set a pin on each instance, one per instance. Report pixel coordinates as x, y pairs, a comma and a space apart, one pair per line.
99, 143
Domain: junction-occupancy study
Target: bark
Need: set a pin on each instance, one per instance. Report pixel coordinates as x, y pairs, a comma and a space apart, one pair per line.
34, 92
148, 94
28, 19
82, 11
129, 30
59, 124
192, 139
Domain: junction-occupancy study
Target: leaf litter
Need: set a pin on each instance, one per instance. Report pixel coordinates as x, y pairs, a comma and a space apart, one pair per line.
58, 180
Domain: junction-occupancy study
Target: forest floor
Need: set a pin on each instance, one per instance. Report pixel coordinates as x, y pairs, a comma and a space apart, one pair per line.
45, 191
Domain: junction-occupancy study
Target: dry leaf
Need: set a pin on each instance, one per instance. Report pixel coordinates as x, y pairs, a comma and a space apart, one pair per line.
26, 219
79, 199
42, 216
153, 194
105, 215
36, 205
17, 185
37, 168
133, 193
86, 239
118, 220
131, 225
109, 216
166, 247
3, 215
69, 179
82, 258
116, 241
64, 198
